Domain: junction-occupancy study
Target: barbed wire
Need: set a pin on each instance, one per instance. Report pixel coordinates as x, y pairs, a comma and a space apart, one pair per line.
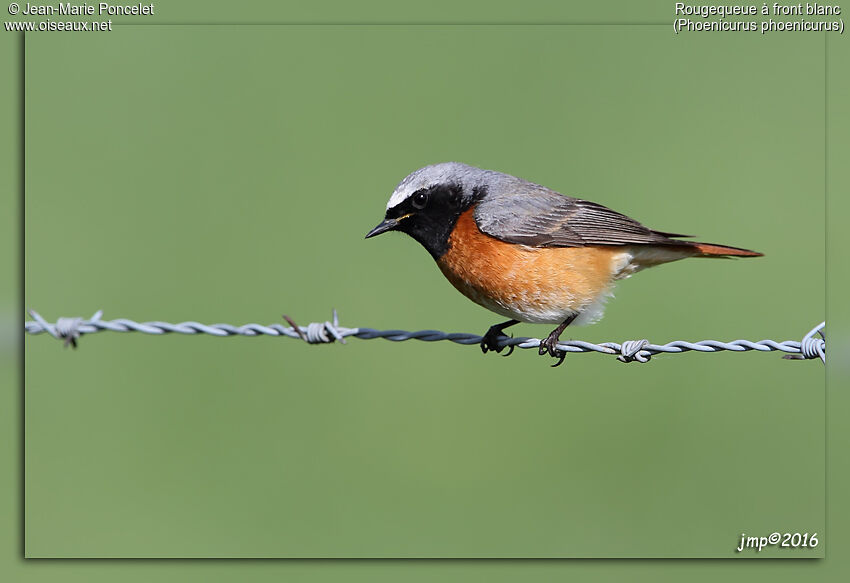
69, 330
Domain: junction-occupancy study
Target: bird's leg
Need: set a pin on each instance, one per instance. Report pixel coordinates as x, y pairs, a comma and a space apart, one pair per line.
550, 343
490, 341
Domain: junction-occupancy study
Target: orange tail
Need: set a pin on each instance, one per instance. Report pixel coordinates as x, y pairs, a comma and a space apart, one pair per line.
710, 250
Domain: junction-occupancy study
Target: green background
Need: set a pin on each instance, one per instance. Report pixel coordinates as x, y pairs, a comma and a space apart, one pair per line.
215, 184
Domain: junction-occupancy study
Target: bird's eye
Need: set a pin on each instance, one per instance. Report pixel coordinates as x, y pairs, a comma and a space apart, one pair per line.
419, 200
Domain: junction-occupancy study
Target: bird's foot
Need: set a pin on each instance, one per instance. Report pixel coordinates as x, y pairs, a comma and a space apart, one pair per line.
549, 345
492, 340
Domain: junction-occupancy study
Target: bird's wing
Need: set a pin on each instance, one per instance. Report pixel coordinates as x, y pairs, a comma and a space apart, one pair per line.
544, 218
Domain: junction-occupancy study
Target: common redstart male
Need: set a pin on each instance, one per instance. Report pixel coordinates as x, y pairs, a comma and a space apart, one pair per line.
527, 252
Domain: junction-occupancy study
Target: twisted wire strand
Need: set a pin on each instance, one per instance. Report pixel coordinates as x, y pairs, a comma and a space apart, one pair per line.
813, 344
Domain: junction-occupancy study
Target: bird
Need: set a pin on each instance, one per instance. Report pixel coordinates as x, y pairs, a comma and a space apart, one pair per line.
526, 252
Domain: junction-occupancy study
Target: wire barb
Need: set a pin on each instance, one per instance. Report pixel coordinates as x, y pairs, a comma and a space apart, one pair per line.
318, 332
633, 350
813, 344
811, 347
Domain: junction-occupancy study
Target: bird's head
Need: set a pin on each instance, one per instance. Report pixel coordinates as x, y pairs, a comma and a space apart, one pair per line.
428, 202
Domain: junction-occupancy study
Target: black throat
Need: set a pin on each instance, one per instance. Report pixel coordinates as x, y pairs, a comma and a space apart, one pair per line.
432, 225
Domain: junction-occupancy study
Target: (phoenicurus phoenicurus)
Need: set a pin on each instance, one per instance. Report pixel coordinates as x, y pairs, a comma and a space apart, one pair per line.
527, 252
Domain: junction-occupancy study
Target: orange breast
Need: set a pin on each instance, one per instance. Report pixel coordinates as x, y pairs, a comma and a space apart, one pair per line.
529, 284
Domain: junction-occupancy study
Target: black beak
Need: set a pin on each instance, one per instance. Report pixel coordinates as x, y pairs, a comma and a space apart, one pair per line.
386, 225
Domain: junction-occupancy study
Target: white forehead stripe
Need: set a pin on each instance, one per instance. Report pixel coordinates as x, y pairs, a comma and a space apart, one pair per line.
398, 196
429, 176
